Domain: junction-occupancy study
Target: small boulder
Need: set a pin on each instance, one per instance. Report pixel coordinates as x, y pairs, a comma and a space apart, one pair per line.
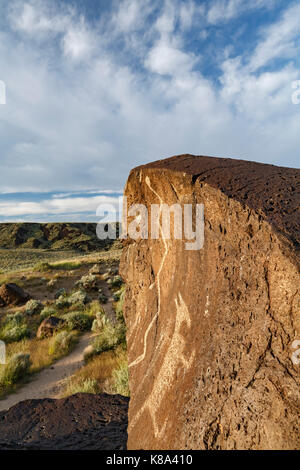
11, 295
49, 326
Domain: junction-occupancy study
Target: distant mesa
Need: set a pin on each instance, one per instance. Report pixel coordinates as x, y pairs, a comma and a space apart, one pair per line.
51, 236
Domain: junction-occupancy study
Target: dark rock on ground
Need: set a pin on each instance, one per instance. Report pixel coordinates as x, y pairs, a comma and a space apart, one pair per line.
11, 295
210, 332
49, 326
80, 422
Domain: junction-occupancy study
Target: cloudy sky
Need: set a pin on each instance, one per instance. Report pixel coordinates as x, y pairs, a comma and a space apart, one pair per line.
95, 87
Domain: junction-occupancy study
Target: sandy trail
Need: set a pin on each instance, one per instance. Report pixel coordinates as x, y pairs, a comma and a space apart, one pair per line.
49, 382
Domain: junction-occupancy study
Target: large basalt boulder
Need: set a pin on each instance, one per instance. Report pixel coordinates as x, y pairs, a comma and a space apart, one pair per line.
49, 326
12, 295
80, 422
210, 332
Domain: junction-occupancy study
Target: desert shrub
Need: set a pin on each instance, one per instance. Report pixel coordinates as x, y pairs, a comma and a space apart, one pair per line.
94, 307
96, 269
62, 302
17, 367
66, 265
102, 298
60, 293
52, 283
47, 311
84, 386
110, 337
33, 307
78, 321
105, 276
14, 328
42, 267
89, 282
120, 380
79, 297
117, 281
62, 343
120, 304
100, 321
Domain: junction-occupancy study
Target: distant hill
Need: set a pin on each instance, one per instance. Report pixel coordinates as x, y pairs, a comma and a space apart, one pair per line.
52, 236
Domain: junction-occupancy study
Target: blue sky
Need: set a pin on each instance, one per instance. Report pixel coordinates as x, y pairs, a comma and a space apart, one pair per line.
94, 88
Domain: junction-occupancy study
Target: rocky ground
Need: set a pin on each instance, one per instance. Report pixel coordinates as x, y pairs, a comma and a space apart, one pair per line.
41, 404
79, 422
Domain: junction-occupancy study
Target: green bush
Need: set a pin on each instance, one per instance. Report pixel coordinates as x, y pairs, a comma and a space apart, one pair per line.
100, 321
110, 337
17, 368
62, 302
85, 386
42, 267
47, 312
62, 343
120, 303
61, 292
120, 383
79, 297
33, 307
66, 266
117, 281
14, 328
78, 321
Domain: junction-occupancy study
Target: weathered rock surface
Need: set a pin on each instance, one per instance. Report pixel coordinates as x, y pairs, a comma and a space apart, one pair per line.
80, 422
11, 295
49, 326
210, 332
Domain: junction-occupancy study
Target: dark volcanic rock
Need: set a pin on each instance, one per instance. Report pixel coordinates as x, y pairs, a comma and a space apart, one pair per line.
11, 295
49, 326
210, 332
80, 422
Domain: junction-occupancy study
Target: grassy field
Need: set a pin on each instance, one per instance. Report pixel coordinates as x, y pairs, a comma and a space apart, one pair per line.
23, 259
62, 285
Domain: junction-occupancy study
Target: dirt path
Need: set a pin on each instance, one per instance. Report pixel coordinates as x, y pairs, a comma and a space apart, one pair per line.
49, 382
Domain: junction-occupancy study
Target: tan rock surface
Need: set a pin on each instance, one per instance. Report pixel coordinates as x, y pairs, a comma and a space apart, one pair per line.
210, 331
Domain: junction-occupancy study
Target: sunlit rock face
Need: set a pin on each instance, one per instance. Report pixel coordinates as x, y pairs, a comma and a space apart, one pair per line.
210, 331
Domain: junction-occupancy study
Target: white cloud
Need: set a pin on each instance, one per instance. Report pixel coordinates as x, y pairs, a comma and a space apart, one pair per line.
280, 40
78, 43
225, 10
83, 123
164, 59
57, 206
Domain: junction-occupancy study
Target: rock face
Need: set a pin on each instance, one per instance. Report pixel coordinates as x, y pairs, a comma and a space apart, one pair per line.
11, 295
210, 332
49, 326
80, 422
